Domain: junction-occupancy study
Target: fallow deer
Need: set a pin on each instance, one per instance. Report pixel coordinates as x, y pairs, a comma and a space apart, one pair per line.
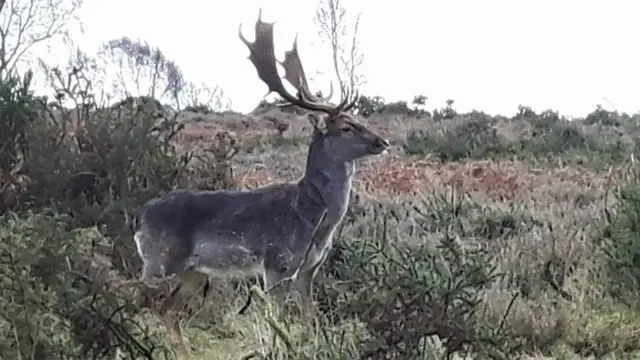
281, 232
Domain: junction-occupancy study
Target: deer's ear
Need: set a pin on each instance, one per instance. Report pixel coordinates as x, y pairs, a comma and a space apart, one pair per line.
334, 122
315, 121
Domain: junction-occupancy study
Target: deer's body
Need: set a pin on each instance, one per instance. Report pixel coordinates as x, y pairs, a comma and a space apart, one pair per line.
264, 231
283, 231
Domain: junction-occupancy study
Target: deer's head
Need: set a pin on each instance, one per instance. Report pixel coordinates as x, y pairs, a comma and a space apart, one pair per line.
340, 135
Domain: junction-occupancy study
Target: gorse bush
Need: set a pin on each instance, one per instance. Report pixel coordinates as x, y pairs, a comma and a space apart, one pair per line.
424, 291
56, 302
470, 140
604, 117
551, 138
386, 297
367, 106
34, 319
84, 168
620, 238
18, 111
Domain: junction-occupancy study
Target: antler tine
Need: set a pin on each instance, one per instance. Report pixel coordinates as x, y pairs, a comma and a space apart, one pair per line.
353, 102
328, 97
264, 60
294, 72
348, 101
318, 99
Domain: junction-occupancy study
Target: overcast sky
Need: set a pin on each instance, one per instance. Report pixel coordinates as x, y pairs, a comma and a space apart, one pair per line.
491, 55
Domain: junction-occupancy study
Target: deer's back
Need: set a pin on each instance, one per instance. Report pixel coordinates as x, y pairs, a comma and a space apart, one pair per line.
217, 230
184, 212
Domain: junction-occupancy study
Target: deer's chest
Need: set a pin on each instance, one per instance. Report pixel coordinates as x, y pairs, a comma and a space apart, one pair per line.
323, 239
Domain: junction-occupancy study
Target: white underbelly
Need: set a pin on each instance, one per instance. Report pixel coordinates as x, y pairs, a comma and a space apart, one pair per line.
233, 272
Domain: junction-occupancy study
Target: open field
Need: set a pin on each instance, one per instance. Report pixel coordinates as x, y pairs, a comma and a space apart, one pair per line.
484, 236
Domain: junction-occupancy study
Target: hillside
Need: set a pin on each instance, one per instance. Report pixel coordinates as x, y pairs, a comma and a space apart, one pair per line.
488, 237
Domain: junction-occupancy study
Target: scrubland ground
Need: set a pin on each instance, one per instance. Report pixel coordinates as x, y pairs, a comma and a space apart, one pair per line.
538, 216
476, 237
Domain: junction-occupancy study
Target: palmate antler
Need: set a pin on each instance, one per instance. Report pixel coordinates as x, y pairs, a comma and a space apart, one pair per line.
264, 59
292, 61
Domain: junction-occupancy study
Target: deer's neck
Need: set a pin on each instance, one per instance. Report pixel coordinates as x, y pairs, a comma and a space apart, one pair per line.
326, 184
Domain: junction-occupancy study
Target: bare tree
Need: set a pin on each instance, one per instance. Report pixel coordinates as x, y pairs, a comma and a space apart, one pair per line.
335, 31
25, 23
142, 70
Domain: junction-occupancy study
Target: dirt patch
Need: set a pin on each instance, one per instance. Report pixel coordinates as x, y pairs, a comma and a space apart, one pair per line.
500, 181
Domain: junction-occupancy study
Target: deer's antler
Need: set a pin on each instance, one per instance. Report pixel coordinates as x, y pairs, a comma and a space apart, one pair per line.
263, 58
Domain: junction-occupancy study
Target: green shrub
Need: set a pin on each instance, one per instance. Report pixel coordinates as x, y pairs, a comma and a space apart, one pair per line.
551, 138
603, 117
620, 239
542, 121
469, 140
56, 301
569, 142
409, 294
18, 111
30, 273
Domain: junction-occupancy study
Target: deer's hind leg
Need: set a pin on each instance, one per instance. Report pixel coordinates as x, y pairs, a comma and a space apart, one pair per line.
173, 253
151, 257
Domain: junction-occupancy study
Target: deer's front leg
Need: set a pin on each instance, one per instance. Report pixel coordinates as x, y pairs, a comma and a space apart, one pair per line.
275, 285
304, 286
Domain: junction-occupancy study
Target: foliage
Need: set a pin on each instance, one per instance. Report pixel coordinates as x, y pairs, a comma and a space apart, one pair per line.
472, 139
549, 138
424, 293
55, 303
421, 291
604, 117
31, 327
88, 167
18, 111
417, 279
619, 238
367, 106
201, 99
445, 113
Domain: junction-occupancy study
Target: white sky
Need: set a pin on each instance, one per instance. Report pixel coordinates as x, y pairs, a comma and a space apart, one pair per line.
491, 55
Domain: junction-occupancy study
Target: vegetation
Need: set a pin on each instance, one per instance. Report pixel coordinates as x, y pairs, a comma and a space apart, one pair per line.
478, 237
480, 264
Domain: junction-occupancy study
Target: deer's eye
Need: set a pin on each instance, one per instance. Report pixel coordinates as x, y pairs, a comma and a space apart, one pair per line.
347, 130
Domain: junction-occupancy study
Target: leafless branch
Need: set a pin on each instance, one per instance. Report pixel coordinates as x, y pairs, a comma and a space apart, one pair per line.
334, 31
26, 23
